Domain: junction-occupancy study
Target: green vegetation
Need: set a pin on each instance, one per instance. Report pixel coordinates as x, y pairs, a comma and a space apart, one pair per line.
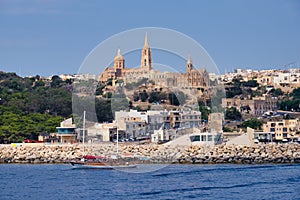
227, 129
118, 102
233, 114
250, 83
29, 106
99, 89
157, 96
296, 93
291, 103
136, 96
204, 110
252, 123
104, 109
15, 127
276, 92
133, 85
144, 96
234, 88
177, 98
237, 87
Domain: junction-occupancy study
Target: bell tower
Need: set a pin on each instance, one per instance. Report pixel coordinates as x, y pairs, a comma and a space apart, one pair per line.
189, 64
119, 64
146, 60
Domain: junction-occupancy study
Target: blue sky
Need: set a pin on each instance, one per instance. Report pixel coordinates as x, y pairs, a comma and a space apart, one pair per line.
53, 37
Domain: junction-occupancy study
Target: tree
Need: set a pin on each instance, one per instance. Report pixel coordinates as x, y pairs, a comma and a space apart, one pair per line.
250, 83
233, 91
296, 93
177, 98
136, 96
173, 99
292, 103
109, 82
154, 97
28, 107
144, 96
252, 123
276, 92
205, 111
157, 96
233, 114
55, 81
289, 105
103, 110
38, 84
99, 89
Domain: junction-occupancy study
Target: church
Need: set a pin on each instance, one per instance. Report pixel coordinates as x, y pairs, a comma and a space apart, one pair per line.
192, 78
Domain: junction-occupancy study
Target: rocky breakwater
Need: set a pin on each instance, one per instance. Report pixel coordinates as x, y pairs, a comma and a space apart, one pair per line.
39, 154
263, 153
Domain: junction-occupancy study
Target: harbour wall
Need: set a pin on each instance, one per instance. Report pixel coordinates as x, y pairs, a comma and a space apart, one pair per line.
238, 154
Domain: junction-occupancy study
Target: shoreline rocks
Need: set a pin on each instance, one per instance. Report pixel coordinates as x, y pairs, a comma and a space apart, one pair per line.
219, 154
38, 154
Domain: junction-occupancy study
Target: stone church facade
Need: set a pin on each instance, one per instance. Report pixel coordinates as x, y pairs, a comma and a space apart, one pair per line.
192, 78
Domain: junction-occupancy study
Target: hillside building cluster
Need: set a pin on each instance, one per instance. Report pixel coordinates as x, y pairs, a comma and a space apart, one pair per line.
256, 106
286, 80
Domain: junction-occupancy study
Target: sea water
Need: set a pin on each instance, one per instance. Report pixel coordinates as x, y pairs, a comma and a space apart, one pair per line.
171, 182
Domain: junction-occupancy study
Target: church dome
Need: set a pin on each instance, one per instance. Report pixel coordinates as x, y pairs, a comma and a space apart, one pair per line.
119, 56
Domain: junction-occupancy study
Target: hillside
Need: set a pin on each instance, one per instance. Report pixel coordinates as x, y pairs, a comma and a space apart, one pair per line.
29, 106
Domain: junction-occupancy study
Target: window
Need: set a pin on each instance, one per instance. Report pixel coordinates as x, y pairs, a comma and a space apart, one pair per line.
203, 137
284, 129
272, 129
273, 124
209, 138
195, 138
